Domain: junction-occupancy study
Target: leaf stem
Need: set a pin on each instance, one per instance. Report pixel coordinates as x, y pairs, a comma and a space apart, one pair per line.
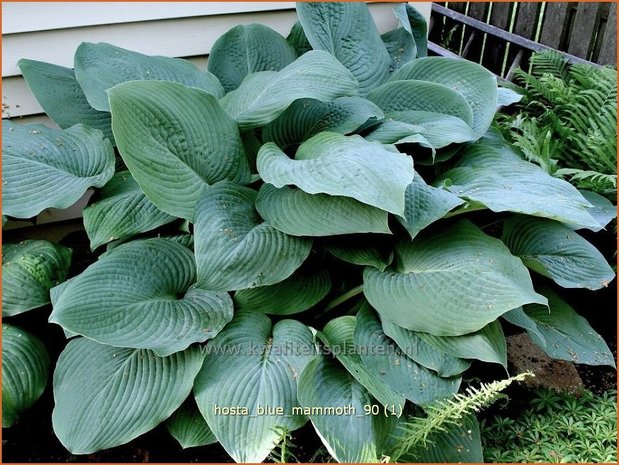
339, 300
465, 209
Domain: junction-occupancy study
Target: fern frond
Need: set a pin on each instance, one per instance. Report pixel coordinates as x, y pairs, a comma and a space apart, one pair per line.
550, 62
444, 413
591, 180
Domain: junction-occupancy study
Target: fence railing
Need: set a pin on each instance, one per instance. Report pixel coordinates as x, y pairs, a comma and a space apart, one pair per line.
502, 35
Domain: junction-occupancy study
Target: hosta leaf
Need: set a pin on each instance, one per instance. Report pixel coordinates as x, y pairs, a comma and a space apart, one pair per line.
176, 141
299, 214
471, 80
415, 23
401, 47
502, 181
263, 96
29, 270
360, 254
438, 129
338, 335
554, 250
252, 364
246, 49
602, 209
43, 167
421, 96
460, 443
347, 31
451, 282
25, 368
414, 347
348, 434
488, 344
518, 317
306, 117
235, 249
188, 426
141, 295
507, 97
61, 97
348, 166
106, 396
121, 211
383, 357
425, 205
298, 40
101, 66
295, 294
566, 334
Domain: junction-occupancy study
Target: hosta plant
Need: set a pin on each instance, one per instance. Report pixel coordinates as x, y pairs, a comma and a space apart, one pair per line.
318, 228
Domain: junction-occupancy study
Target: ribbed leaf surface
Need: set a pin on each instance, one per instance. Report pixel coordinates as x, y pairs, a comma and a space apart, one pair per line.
188, 426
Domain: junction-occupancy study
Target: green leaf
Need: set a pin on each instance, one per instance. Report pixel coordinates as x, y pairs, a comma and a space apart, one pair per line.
425, 205
426, 355
101, 66
253, 364
297, 39
335, 403
348, 166
235, 249
507, 97
555, 251
176, 141
499, 179
566, 334
338, 335
43, 167
141, 295
122, 210
25, 368
471, 80
403, 96
450, 282
401, 47
602, 209
460, 443
188, 426
301, 291
247, 49
263, 96
519, 318
306, 117
61, 97
294, 212
488, 344
29, 270
105, 396
415, 23
347, 31
359, 254
382, 356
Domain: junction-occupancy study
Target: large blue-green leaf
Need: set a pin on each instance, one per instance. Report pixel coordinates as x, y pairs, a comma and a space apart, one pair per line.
188, 426
247, 49
120, 211
142, 295
101, 66
414, 347
306, 117
300, 214
61, 97
496, 177
25, 369
335, 403
105, 396
383, 357
298, 40
299, 292
403, 96
253, 364
362, 254
235, 249
29, 270
339, 336
450, 282
347, 31
415, 23
425, 205
556, 251
176, 141
263, 96
471, 80
43, 167
602, 209
348, 166
565, 334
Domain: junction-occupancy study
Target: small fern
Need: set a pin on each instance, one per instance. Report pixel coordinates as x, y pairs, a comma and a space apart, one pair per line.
283, 452
451, 412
